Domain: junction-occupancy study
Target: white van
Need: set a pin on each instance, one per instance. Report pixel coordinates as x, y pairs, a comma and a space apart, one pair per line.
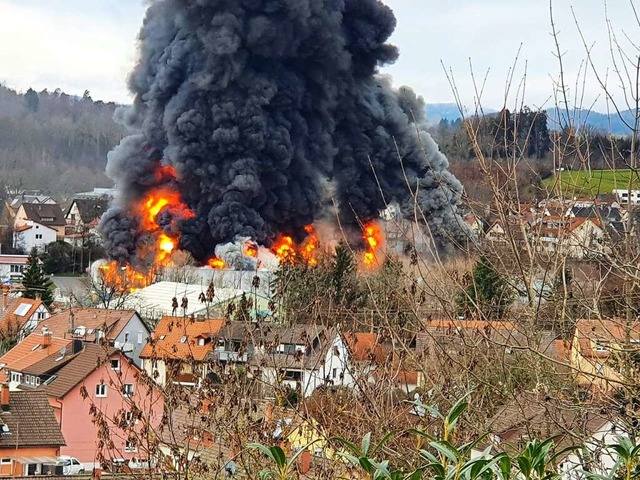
70, 465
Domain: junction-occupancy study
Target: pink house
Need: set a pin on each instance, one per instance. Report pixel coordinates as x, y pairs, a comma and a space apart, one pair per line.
100, 402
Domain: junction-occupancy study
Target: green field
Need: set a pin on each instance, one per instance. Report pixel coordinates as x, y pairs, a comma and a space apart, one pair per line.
596, 182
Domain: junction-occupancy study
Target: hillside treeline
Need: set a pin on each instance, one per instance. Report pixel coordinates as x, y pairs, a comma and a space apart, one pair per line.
54, 142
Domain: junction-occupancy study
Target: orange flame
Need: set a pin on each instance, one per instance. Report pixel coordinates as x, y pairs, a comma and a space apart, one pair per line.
251, 250
122, 278
310, 246
374, 238
217, 263
285, 250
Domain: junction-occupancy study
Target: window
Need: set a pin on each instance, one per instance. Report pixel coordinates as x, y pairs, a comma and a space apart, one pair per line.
5, 461
126, 337
130, 446
115, 364
41, 315
38, 236
37, 381
140, 336
127, 389
334, 374
17, 268
16, 377
101, 390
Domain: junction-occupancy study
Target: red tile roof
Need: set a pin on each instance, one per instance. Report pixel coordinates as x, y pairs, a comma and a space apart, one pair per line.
31, 351
13, 259
112, 322
178, 338
364, 346
8, 315
469, 324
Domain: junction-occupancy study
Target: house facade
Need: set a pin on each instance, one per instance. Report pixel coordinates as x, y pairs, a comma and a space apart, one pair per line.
11, 267
123, 330
82, 218
31, 437
85, 382
20, 316
180, 348
33, 235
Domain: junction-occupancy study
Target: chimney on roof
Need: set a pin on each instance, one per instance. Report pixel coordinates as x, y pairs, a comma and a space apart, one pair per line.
200, 317
5, 301
46, 337
72, 325
4, 397
76, 346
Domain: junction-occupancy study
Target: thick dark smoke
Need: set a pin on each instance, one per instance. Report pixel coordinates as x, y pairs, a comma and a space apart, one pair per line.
264, 107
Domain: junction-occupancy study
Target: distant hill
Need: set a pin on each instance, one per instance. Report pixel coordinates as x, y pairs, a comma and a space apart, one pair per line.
612, 123
54, 142
556, 117
448, 111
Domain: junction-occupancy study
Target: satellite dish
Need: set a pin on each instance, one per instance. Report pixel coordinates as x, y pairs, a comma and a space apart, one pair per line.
63, 351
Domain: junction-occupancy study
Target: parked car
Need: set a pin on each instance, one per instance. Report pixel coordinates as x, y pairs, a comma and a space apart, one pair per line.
70, 465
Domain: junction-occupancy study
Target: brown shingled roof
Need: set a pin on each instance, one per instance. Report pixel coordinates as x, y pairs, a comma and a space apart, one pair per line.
90, 209
31, 422
48, 214
364, 346
178, 338
77, 369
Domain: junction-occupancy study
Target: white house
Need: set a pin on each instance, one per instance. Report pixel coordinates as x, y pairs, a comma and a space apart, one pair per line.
305, 357
32, 234
11, 267
596, 454
624, 196
22, 315
121, 329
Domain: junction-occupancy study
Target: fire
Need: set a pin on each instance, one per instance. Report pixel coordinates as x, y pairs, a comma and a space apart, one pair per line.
285, 250
251, 250
374, 238
217, 263
310, 246
122, 278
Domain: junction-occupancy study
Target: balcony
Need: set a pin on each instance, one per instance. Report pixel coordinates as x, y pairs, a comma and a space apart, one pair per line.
232, 357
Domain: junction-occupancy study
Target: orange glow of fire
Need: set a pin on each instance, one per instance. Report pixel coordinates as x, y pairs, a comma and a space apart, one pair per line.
251, 250
217, 263
285, 250
122, 278
310, 246
374, 238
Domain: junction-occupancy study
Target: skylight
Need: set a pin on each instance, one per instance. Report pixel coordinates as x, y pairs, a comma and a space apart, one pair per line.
22, 309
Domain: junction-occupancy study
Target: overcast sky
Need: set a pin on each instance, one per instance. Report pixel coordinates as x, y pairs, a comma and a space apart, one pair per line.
91, 44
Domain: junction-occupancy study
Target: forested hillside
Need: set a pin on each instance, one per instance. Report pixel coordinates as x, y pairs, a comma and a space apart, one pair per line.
55, 142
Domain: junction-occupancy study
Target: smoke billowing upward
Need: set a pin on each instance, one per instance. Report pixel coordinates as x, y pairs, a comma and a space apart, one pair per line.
271, 112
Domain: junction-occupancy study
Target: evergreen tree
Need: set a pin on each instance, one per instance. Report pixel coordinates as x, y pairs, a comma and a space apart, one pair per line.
32, 100
488, 294
343, 274
36, 283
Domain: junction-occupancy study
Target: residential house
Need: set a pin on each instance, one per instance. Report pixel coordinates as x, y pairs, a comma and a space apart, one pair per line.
31, 350
439, 340
303, 358
11, 267
37, 225
626, 196
20, 316
123, 330
82, 218
600, 349
179, 349
30, 436
84, 379
205, 435
577, 237
540, 416
12, 205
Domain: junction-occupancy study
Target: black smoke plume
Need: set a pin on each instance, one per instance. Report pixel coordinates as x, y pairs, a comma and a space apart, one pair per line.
272, 112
